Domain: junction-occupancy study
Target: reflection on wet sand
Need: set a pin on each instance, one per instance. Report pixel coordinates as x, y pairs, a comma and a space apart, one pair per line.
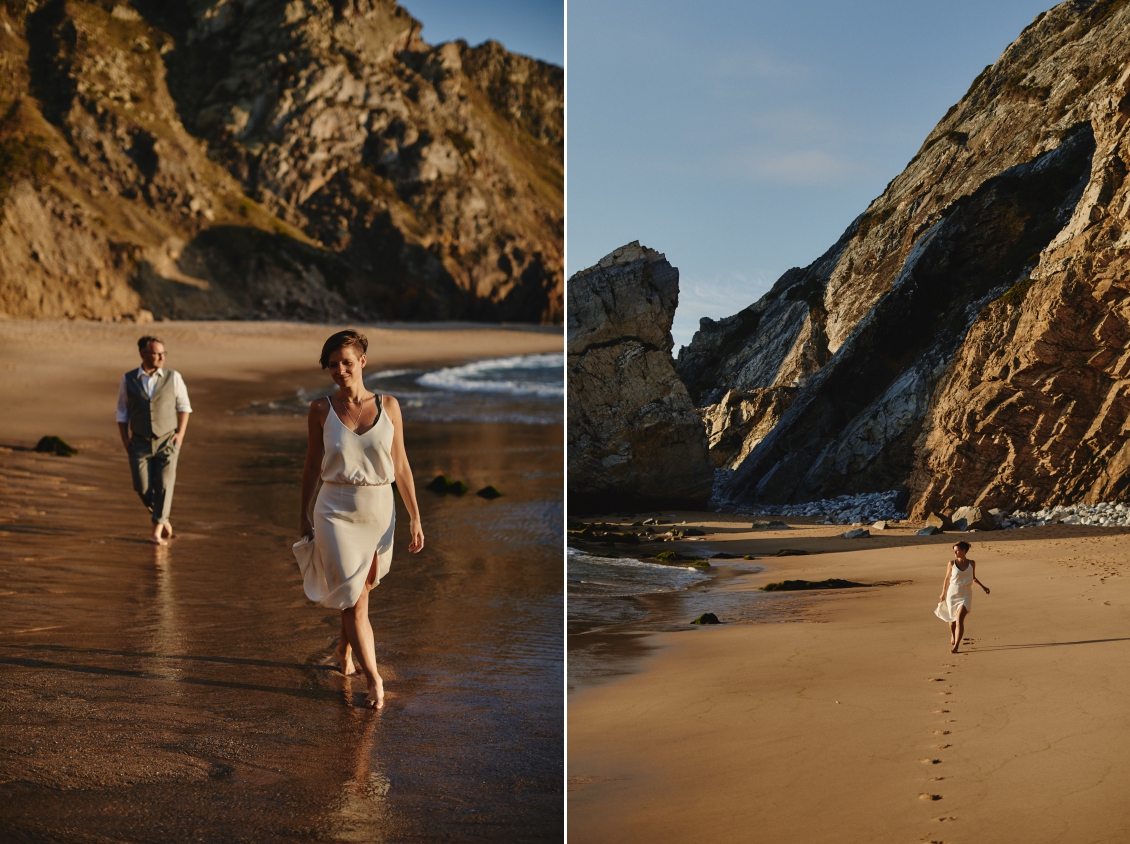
179, 693
362, 812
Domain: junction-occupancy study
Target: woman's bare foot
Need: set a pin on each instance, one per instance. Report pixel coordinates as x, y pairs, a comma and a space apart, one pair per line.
168, 532
344, 655
953, 649
376, 698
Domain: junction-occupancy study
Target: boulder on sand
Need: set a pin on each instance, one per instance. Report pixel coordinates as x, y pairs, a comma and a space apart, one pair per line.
940, 521
972, 518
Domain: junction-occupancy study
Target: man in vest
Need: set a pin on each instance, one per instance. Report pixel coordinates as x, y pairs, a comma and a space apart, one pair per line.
153, 414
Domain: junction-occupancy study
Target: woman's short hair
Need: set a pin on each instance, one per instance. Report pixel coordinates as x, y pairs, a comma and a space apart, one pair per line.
343, 340
963, 545
144, 342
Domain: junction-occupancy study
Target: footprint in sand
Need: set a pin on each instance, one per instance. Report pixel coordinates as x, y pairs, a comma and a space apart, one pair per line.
940, 711
944, 746
925, 796
929, 761
936, 779
947, 692
941, 732
943, 820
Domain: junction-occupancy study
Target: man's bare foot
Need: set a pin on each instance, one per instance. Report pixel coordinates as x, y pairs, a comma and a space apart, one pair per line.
168, 530
344, 655
376, 698
157, 538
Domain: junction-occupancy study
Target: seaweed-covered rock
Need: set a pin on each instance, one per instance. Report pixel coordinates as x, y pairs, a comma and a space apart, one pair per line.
55, 445
706, 618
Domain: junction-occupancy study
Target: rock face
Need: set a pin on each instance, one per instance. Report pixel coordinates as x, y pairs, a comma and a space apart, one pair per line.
741, 420
635, 439
967, 335
283, 158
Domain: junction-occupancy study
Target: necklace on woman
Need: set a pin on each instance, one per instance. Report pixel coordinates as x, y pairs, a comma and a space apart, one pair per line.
345, 404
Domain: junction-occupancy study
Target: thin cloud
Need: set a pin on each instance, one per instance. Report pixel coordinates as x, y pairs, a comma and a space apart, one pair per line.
798, 168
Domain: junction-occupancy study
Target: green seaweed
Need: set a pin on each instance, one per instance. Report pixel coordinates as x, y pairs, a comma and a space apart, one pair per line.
800, 585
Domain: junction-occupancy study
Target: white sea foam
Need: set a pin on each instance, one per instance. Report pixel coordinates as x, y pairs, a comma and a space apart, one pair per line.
541, 376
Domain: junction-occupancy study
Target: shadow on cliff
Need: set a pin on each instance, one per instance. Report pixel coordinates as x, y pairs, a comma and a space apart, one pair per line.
236, 272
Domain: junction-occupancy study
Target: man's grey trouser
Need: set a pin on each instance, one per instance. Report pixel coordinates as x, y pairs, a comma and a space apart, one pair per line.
153, 464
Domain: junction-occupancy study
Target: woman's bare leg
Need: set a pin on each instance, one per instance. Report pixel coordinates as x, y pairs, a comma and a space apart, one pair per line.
960, 631
344, 652
953, 638
360, 633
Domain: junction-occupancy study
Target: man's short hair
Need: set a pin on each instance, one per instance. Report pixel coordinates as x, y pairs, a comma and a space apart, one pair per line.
343, 340
146, 340
963, 545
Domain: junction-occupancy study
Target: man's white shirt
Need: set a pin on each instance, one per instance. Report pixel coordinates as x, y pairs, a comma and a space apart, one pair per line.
149, 384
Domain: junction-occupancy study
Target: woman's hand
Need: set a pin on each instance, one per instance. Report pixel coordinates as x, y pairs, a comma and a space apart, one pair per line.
417, 531
305, 528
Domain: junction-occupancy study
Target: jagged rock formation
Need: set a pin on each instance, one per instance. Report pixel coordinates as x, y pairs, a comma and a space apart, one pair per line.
253, 158
634, 437
740, 421
966, 334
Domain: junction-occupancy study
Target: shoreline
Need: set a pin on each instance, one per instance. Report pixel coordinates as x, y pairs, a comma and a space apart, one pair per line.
187, 691
729, 731
84, 361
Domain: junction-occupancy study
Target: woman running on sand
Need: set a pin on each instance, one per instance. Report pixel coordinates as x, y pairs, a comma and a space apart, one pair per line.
957, 593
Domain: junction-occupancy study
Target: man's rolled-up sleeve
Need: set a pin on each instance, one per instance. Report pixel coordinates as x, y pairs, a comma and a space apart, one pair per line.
181, 393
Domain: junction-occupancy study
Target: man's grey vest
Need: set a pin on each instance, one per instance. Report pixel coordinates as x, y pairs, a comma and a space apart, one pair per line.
150, 419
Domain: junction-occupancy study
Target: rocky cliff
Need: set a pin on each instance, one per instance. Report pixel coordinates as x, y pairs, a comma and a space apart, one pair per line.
634, 437
281, 158
967, 335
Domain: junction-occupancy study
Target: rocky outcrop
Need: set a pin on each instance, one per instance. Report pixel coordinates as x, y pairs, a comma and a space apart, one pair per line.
965, 336
301, 158
634, 436
740, 421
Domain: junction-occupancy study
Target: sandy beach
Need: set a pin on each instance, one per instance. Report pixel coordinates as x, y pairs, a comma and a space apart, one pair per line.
844, 718
185, 693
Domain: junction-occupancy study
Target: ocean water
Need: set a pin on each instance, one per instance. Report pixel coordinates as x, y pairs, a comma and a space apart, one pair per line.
523, 389
602, 590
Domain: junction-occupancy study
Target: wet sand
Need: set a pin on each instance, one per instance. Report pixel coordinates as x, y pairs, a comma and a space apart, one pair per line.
184, 694
852, 721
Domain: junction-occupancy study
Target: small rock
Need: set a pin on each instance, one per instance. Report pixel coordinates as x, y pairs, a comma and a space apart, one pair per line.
929, 530
55, 445
706, 618
879, 525
694, 532
491, 492
762, 524
940, 521
790, 552
858, 533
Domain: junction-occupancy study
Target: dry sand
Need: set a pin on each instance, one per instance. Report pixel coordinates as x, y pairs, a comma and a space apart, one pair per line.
854, 723
62, 377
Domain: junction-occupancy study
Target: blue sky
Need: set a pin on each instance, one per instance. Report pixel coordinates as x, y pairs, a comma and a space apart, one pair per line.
742, 137
531, 27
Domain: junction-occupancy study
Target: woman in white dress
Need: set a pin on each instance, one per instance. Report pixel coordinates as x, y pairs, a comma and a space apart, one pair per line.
356, 449
956, 599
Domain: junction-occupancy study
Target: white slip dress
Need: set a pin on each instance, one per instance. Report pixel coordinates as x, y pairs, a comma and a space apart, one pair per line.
959, 594
354, 515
